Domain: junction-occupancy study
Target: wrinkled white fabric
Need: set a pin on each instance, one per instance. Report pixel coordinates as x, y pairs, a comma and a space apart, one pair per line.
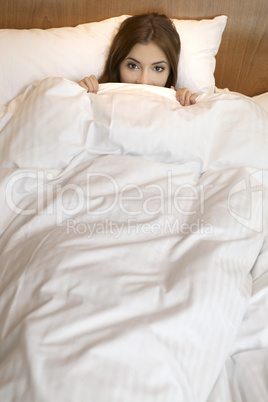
131, 229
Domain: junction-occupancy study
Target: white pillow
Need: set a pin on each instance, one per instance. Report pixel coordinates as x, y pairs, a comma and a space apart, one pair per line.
200, 41
31, 55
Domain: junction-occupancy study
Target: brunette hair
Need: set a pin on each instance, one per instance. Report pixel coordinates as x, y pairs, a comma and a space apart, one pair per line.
143, 28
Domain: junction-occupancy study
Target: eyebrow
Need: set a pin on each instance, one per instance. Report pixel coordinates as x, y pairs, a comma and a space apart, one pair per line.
137, 61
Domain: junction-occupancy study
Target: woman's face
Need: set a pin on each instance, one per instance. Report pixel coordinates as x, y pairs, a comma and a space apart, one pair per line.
145, 64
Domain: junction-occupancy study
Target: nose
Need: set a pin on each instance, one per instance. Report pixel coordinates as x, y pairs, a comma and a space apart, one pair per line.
144, 78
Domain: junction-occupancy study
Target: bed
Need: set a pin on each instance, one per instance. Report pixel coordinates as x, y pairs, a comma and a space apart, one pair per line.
134, 246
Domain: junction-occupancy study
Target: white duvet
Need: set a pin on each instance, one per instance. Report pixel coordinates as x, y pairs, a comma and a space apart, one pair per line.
134, 252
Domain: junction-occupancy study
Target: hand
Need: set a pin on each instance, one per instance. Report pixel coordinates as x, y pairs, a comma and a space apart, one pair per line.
185, 97
91, 84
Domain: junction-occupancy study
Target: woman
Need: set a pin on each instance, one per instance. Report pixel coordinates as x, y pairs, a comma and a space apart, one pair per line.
145, 50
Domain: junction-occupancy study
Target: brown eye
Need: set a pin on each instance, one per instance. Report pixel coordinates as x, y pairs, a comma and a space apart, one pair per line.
159, 69
132, 66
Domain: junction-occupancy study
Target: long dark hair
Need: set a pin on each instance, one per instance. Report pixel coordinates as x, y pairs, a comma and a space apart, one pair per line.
143, 28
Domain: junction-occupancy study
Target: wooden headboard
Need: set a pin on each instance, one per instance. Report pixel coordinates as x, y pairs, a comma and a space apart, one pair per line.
242, 61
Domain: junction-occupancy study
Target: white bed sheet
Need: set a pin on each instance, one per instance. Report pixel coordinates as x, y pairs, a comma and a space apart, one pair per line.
134, 246
262, 100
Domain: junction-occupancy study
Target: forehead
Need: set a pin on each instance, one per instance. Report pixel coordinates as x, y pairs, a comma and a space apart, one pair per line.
149, 52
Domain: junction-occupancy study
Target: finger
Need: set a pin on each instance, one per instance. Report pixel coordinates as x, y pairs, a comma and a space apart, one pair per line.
187, 98
82, 84
94, 83
180, 95
90, 83
193, 98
